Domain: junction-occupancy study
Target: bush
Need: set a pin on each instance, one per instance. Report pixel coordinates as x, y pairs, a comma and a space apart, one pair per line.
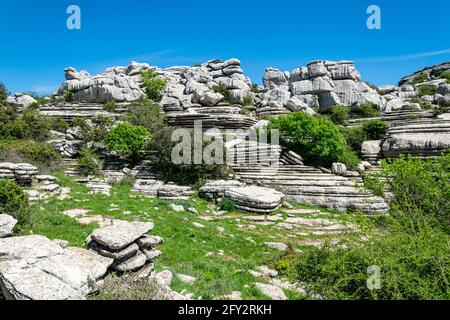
375, 129
127, 139
58, 124
223, 90
95, 130
444, 75
28, 125
3, 92
227, 204
88, 163
370, 110
420, 78
148, 114
153, 84
110, 106
248, 100
37, 153
317, 139
340, 115
14, 202
427, 91
68, 95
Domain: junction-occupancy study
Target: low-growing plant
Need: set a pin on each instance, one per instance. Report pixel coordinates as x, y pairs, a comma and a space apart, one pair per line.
427, 91
248, 100
340, 115
3, 92
127, 139
420, 78
88, 162
95, 130
14, 201
227, 204
68, 95
370, 110
57, 124
375, 129
154, 84
110, 106
223, 90
444, 75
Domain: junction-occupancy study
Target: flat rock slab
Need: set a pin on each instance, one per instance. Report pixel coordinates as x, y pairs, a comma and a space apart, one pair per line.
7, 224
94, 263
131, 264
119, 236
255, 199
36, 268
273, 292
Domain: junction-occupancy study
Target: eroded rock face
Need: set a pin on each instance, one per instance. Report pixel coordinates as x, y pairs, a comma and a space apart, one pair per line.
322, 84
22, 173
7, 224
255, 199
23, 101
36, 268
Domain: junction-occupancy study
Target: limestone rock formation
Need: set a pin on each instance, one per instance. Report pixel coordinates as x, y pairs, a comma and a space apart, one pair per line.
7, 224
216, 189
21, 100
22, 173
255, 199
35, 268
322, 84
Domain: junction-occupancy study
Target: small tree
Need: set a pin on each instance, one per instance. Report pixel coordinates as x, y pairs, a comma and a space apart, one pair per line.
3, 92
127, 139
154, 84
340, 115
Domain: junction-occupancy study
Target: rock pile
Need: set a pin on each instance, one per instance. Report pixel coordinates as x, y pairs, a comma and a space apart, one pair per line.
128, 244
322, 84
7, 224
255, 199
22, 173
21, 100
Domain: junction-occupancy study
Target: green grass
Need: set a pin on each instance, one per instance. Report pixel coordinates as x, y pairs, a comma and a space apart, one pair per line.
186, 247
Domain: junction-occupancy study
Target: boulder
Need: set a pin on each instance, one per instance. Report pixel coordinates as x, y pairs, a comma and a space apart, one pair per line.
255, 199
338, 168
7, 224
95, 264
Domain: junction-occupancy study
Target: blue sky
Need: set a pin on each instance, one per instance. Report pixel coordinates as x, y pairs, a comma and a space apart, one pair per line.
35, 45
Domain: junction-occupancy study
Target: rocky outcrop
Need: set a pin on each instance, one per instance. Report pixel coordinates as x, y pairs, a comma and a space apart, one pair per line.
7, 224
127, 244
22, 173
215, 190
255, 199
22, 101
428, 72
35, 268
321, 84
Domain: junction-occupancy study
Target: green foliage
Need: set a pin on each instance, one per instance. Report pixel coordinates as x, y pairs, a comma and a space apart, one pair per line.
88, 163
316, 139
58, 124
444, 75
3, 92
13, 201
340, 115
420, 78
39, 154
255, 88
223, 90
349, 158
148, 114
154, 84
127, 139
95, 130
110, 106
68, 95
370, 110
427, 91
248, 100
227, 204
27, 125
374, 129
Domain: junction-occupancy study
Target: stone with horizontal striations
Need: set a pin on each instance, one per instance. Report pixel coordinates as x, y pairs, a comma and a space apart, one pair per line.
119, 236
131, 264
255, 199
7, 224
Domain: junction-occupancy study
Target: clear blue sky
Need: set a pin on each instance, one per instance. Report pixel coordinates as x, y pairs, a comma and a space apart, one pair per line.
36, 45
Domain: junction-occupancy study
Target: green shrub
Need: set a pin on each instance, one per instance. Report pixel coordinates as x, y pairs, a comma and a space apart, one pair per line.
68, 95
227, 204
444, 75
223, 90
420, 78
58, 124
3, 92
95, 130
349, 158
110, 106
14, 202
27, 125
375, 129
355, 136
127, 139
427, 91
316, 139
248, 100
88, 163
370, 110
154, 84
255, 88
340, 115
39, 154
148, 114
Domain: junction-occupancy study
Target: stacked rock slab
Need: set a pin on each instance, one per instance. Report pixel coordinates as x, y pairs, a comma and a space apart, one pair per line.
215, 189
36, 268
127, 243
22, 173
322, 84
255, 199
72, 110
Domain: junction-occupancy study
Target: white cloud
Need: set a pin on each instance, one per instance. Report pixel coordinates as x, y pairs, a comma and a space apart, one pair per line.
413, 56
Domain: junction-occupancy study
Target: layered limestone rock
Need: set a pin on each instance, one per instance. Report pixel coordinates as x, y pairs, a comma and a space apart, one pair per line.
22, 173
127, 243
216, 189
36, 268
22, 101
321, 84
255, 199
429, 72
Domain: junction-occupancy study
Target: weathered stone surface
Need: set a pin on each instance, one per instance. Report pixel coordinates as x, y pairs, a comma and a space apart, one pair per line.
7, 224
216, 189
120, 254
338, 168
255, 199
149, 241
273, 292
95, 264
131, 264
21, 100
116, 237
36, 268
